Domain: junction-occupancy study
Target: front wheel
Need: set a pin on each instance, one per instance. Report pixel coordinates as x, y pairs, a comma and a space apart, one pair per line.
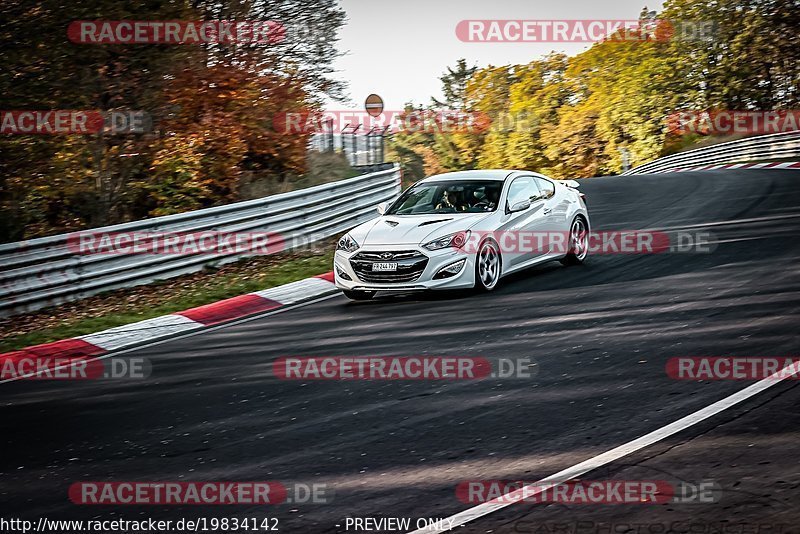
358, 295
578, 242
487, 266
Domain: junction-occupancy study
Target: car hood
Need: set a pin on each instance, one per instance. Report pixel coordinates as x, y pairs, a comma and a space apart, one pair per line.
413, 229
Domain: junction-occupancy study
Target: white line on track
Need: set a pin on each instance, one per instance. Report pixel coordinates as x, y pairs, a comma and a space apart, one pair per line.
600, 460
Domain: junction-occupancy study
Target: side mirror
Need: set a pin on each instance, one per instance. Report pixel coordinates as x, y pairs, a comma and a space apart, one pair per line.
522, 205
381, 208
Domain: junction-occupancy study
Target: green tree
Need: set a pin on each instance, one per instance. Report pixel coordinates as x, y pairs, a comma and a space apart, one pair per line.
454, 86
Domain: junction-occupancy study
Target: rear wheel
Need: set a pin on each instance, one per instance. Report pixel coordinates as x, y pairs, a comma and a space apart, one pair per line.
358, 295
487, 266
578, 242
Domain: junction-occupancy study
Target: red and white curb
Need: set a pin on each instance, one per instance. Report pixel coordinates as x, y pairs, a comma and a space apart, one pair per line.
773, 165
168, 325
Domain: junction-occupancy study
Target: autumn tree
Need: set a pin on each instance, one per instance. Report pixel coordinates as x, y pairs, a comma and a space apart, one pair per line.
211, 107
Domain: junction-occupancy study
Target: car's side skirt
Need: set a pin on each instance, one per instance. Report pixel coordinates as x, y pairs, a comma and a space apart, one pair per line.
530, 263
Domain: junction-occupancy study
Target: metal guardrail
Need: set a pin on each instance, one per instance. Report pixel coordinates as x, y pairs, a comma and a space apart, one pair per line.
48, 271
782, 145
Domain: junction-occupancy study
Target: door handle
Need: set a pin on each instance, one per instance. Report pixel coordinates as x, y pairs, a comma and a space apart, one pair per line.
547, 211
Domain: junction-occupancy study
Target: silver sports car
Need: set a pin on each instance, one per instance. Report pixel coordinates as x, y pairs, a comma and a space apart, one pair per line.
463, 230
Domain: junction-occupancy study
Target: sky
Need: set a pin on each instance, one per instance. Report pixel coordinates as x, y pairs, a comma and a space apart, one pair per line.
398, 49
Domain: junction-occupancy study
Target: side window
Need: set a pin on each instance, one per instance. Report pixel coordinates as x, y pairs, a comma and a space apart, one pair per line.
546, 186
521, 188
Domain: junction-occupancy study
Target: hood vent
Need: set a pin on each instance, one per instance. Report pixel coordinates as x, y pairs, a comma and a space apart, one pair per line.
435, 222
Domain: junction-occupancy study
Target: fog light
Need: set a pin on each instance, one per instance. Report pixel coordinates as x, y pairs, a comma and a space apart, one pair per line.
451, 270
343, 274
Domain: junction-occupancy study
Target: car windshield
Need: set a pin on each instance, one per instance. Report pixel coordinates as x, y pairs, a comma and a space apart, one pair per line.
448, 197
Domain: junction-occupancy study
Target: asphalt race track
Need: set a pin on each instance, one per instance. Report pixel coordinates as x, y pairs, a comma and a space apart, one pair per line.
600, 335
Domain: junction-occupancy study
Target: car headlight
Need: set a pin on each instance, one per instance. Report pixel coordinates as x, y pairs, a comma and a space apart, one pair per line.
347, 243
457, 240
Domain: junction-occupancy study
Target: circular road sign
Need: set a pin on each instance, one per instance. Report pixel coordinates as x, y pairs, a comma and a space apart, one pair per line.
374, 105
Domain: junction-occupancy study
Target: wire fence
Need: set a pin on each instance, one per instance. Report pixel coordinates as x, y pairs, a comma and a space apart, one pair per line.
362, 146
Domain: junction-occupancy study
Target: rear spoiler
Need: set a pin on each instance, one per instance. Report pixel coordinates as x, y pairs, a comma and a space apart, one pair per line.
572, 184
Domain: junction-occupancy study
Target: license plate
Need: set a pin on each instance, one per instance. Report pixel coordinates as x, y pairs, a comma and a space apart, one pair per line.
384, 266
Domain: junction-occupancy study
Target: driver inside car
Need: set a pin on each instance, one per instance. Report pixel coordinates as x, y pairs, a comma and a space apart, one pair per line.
450, 201
482, 201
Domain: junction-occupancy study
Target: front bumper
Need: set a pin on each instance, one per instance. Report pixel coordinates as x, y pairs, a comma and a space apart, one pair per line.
437, 260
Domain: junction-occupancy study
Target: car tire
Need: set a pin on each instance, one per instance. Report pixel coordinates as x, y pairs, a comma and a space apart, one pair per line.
578, 242
358, 295
488, 265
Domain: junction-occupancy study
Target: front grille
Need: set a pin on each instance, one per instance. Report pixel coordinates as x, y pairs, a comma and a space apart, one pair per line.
410, 265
